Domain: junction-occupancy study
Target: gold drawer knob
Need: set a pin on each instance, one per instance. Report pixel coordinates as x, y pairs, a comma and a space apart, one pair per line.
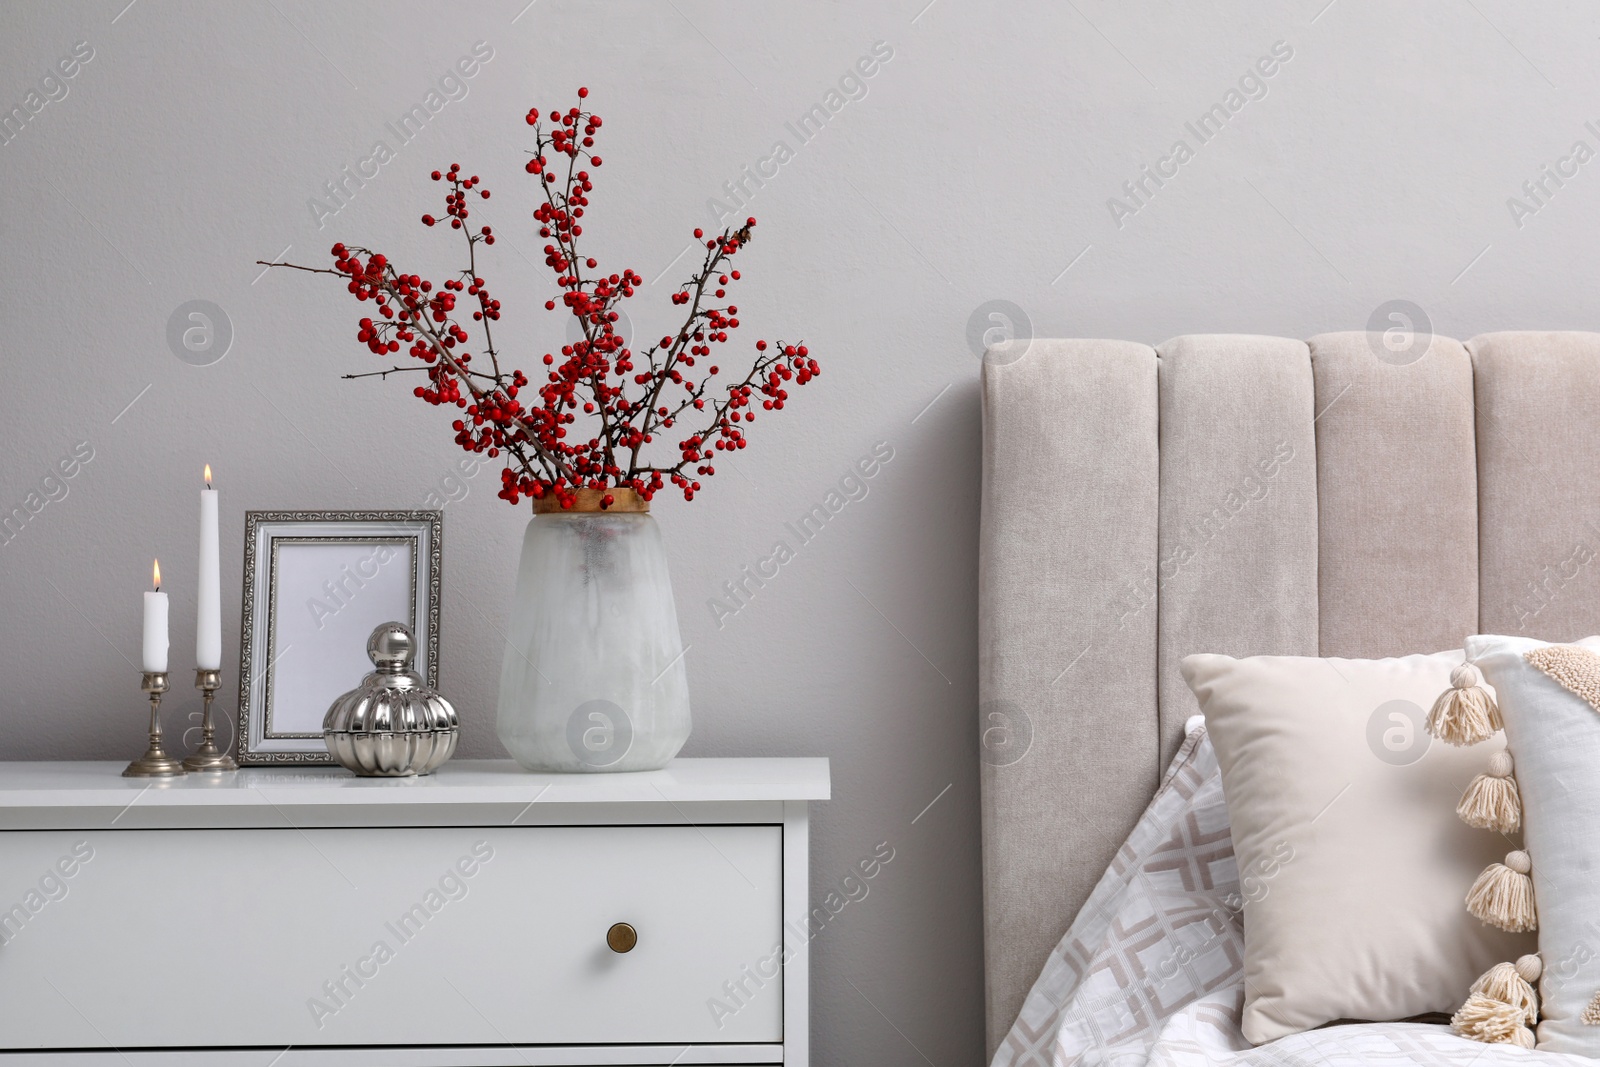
621, 938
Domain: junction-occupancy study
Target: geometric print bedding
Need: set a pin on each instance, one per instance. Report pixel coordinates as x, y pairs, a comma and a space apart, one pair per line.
1159, 931
1150, 974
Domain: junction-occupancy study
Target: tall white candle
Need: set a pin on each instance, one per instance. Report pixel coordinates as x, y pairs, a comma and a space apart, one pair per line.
208, 625
155, 626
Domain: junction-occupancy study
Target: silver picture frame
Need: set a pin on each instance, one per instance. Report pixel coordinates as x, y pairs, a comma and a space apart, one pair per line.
315, 585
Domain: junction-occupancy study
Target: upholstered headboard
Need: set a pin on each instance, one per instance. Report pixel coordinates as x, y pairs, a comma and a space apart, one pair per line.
1242, 495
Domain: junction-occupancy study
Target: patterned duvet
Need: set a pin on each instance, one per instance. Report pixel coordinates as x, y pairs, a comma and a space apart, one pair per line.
1151, 970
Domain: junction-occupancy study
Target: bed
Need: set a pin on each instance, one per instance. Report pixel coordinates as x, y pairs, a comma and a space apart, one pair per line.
1413, 498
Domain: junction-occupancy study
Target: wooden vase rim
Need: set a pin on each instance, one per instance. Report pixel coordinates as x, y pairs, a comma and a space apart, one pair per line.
623, 501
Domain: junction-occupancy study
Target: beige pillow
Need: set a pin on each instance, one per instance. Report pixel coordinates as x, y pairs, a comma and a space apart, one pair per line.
1344, 825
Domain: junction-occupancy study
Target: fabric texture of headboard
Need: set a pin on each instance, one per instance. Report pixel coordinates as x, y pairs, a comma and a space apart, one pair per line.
1243, 495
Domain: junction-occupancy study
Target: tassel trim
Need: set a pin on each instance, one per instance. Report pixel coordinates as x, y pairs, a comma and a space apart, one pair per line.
1512, 983
1491, 802
1502, 1007
1503, 895
1493, 1022
1466, 713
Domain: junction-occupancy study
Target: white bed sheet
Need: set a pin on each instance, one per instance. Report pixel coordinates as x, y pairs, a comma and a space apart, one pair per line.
1151, 973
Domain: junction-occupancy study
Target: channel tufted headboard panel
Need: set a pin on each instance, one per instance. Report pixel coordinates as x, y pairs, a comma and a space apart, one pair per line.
1244, 495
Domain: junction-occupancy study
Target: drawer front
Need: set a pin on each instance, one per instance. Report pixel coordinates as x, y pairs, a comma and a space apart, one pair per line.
389, 936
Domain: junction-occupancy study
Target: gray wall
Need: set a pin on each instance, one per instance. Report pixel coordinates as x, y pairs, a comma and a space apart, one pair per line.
1375, 164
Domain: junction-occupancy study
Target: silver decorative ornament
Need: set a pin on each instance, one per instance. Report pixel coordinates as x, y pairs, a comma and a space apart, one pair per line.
391, 725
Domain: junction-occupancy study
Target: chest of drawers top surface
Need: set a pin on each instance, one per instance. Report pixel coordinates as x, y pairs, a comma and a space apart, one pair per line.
93, 794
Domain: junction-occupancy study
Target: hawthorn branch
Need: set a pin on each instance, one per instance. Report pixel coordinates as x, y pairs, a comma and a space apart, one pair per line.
713, 259
720, 409
420, 322
442, 351
568, 241
626, 391
472, 266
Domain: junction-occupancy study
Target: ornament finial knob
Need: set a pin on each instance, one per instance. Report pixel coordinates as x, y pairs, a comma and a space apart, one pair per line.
391, 647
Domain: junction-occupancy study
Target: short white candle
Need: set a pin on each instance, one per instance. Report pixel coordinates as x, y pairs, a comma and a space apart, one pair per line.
155, 627
208, 624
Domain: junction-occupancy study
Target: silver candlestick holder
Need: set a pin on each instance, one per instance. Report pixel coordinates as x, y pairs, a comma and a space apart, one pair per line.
155, 763
208, 758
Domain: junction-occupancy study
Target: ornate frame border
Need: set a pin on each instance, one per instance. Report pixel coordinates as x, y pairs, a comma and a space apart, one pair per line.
427, 574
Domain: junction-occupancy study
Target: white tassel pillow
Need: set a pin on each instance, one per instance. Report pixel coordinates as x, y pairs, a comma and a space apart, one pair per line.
1344, 824
1548, 698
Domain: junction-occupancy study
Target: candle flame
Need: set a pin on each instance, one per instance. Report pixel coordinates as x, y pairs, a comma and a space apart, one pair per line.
208, 476
156, 571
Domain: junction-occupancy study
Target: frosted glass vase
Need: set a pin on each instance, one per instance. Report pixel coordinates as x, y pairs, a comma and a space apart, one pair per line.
594, 676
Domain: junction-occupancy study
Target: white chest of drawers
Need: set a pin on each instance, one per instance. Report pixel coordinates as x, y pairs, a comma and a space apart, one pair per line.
303, 917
